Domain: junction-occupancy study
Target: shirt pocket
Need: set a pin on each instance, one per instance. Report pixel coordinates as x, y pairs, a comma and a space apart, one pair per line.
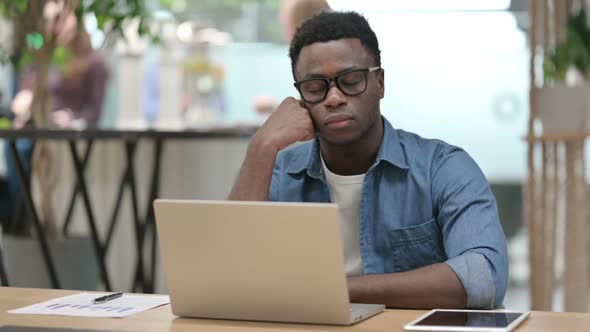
417, 246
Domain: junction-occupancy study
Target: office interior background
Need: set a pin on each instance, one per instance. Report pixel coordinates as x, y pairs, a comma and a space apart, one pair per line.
455, 70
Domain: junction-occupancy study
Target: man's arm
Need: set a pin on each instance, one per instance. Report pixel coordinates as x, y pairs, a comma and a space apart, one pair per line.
255, 176
289, 123
433, 286
473, 237
476, 272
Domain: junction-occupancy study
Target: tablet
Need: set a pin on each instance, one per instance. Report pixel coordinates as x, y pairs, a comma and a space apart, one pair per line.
468, 320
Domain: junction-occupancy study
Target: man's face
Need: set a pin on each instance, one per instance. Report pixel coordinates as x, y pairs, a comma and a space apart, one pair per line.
341, 119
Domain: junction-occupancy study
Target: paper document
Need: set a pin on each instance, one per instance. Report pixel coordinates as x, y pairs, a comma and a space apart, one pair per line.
81, 305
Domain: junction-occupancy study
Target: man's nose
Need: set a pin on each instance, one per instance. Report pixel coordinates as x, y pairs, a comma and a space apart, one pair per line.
335, 97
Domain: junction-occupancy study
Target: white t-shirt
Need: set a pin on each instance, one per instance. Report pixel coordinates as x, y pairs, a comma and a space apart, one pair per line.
346, 193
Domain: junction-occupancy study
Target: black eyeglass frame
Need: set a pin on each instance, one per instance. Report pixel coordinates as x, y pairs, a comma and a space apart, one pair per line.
334, 79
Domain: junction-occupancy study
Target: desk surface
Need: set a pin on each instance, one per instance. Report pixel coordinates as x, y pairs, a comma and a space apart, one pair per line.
161, 319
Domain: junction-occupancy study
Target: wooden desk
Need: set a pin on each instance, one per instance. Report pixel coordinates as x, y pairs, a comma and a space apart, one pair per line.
161, 319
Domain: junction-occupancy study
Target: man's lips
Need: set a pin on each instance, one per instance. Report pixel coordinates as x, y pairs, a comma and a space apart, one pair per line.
337, 118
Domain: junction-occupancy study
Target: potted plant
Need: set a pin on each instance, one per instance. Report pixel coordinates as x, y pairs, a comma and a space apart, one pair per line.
34, 43
564, 100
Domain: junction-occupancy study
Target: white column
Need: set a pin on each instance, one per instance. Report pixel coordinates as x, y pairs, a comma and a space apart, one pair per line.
170, 91
130, 78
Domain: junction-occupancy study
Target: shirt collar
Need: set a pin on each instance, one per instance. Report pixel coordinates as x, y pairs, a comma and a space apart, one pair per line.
391, 151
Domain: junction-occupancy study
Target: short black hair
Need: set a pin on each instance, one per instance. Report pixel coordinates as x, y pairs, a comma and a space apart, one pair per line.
328, 26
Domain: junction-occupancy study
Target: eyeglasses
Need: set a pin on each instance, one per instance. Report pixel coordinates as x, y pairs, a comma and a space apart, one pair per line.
351, 83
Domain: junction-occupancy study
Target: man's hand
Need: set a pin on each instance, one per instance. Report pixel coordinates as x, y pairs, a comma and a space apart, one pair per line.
288, 124
432, 286
62, 118
21, 107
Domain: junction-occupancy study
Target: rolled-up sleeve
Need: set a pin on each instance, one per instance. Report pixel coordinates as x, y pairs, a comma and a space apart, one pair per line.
475, 275
474, 241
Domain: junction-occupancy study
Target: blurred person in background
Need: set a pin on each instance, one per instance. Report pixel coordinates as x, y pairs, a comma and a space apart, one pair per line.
76, 91
5, 206
4, 111
291, 14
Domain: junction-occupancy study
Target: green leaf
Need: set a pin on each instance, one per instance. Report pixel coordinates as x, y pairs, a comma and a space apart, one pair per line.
5, 123
61, 56
92, 6
143, 28
574, 51
21, 5
101, 21
35, 40
25, 60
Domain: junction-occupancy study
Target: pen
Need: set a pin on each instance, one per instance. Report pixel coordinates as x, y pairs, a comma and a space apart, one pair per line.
106, 298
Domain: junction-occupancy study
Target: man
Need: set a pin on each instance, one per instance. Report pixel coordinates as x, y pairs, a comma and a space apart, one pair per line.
419, 223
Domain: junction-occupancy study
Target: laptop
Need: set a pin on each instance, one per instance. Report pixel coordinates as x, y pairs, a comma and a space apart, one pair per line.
261, 261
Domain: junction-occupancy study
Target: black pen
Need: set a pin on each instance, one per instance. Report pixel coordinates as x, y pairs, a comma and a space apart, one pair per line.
106, 298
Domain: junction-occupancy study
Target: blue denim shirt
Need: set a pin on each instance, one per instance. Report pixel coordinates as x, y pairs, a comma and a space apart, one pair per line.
423, 202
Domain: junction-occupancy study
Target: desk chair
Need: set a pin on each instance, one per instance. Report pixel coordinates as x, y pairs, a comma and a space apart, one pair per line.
3, 276
4, 218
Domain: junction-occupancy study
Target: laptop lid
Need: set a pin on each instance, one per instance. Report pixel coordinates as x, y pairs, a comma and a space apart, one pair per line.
253, 260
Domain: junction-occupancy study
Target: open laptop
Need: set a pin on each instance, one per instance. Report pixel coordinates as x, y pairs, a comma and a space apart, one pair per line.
262, 261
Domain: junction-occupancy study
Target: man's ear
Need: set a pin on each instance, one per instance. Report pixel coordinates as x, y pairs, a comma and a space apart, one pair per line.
381, 79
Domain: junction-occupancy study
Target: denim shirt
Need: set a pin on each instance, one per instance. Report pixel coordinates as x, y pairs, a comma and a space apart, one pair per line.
423, 202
